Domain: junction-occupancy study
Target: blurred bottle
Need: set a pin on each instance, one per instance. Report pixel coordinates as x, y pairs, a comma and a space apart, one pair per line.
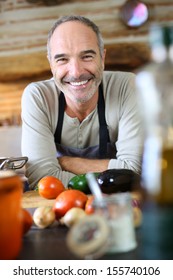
154, 84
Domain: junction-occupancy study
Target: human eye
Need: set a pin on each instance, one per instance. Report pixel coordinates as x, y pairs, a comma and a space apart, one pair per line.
88, 57
61, 60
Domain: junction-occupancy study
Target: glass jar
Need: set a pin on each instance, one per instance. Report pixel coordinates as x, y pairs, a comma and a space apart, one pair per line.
118, 211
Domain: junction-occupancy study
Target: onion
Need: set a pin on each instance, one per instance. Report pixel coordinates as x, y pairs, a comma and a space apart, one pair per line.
72, 216
43, 216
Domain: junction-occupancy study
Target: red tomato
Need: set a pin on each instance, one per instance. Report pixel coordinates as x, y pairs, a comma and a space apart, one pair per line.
89, 209
68, 199
50, 187
27, 220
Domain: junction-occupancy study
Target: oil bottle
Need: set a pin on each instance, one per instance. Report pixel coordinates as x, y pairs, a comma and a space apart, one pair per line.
154, 84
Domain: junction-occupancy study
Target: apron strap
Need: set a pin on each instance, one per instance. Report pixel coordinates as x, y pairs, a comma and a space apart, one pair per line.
103, 130
58, 131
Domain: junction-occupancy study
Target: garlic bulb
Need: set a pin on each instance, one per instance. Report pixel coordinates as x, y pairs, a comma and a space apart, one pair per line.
72, 216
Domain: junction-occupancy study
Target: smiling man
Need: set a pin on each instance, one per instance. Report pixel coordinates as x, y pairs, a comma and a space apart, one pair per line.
83, 119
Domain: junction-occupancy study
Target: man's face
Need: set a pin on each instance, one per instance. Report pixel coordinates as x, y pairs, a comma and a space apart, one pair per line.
76, 63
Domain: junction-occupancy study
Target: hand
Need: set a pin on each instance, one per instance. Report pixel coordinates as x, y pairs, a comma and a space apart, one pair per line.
79, 165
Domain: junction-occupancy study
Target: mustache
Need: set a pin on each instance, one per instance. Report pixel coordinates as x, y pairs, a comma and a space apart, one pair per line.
83, 77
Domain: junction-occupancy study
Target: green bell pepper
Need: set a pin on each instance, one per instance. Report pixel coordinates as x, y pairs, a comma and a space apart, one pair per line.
79, 182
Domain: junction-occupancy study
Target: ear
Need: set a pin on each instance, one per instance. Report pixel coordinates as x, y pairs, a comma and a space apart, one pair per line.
48, 58
50, 64
103, 58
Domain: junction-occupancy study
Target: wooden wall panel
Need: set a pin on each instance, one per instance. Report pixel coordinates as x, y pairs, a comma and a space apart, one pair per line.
24, 28
23, 36
10, 103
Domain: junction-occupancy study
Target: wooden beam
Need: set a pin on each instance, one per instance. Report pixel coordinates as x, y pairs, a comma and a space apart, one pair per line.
24, 28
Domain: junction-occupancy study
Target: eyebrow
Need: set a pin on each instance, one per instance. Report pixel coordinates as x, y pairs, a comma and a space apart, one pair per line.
59, 55
83, 52
88, 51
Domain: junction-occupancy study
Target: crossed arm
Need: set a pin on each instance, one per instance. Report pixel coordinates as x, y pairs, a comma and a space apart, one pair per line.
79, 165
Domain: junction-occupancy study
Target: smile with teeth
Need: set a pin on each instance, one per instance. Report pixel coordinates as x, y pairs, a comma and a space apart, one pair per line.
78, 83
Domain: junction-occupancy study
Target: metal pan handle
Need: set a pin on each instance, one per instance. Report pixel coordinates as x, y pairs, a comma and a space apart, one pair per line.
13, 163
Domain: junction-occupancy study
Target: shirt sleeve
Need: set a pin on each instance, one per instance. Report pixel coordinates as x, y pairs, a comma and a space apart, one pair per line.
130, 135
39, 119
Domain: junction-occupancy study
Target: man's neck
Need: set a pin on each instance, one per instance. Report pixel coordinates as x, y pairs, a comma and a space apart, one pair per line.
81, 110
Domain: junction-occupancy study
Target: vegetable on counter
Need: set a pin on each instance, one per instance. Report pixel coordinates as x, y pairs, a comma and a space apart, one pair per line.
68, 199
43, 216
89, 209
117, 180
79, 182
72, 216
50, 187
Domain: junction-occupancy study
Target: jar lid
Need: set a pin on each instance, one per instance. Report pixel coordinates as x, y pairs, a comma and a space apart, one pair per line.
88, 238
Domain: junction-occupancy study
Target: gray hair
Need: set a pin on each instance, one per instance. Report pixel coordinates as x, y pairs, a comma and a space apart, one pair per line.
81, 19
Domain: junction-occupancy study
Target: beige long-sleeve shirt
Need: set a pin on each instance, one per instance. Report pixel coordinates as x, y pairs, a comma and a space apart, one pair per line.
39, 120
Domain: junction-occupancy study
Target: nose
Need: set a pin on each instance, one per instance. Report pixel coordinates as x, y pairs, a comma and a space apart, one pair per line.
75, 68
